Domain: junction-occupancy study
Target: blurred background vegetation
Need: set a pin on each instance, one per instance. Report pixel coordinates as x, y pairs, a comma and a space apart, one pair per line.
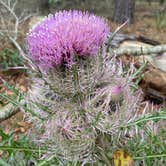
104, 7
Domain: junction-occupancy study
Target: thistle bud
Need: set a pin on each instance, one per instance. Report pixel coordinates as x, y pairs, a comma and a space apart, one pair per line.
116, 93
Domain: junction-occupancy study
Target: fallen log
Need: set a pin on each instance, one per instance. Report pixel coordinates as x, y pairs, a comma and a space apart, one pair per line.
138, 51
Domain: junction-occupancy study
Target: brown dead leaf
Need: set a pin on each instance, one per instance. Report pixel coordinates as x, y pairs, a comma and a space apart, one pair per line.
23, 88
23, 124
22, 129
154, 83
9, 93
16, 130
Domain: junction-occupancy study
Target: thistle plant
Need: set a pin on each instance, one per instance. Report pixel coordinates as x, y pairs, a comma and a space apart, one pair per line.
79, 92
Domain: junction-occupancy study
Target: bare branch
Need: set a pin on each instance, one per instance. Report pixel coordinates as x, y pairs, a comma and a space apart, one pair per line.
15, 68
10, 8
10, 26
7, 111
22, 53
14, 4
23, 18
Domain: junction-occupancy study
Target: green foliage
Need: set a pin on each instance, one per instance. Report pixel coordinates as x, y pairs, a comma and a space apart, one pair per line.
146, 147
10, 58
150, 150
160, 19
23, 153
16, 152
51, 2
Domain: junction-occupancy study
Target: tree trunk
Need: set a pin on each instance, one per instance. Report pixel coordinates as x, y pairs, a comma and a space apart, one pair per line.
124, 10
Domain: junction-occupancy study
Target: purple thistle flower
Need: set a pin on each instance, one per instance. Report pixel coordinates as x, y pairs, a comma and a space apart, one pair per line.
59, 37
116, 92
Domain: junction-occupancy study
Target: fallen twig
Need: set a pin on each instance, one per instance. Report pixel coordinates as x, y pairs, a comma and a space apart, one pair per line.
7, 111
138, 51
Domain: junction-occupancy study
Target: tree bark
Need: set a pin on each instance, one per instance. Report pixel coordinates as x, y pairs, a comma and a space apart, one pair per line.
123, 11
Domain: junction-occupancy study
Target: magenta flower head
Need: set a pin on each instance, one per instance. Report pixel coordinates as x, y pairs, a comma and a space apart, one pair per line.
116, 92
59, 37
